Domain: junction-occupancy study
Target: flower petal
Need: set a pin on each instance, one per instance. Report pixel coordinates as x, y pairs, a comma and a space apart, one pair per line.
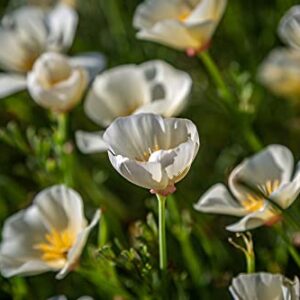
218, 200
90, 142
253, 220
76, 250
275, 162
116, 92
62, 22
61, 208
93, 62
11, 83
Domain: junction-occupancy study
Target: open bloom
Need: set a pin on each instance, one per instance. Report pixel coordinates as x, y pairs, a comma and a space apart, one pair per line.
289, 27
152, 152
280, 72
57, 82
179, 24
154, 87
253, 185
47, 236
26, 34
264, 286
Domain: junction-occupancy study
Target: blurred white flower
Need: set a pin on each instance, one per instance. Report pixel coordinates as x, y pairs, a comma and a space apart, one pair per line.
267, 174
154, 87
25, 34
152, 152
264, 286
179, 24
57, 82
280, 72
289, 27
47, 236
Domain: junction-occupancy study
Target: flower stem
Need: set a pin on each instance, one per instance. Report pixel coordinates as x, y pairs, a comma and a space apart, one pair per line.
162, 232
214, 72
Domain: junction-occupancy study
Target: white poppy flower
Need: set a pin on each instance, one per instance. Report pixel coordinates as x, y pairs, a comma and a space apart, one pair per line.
267, 174
264, 286
152, 152
57, 82
289, 27
179, 24
47, 236
27, 33
280, 73
154, 87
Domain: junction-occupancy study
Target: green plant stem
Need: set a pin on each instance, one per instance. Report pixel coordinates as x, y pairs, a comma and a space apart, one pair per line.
250, 259
162, 232
215, 74
252, 139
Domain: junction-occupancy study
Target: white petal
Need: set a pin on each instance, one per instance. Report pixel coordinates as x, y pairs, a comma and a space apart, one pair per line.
20, 232
275, 162
164, 33
11, 83
61, 208
253, 220
289, 27
116, 92
170, 88
148, 175
263, 286
62, 22
76, 250
93, 62
218, 200
90, 142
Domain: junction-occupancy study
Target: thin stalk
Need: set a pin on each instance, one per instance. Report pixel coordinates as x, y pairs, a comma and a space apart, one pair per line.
162, 231
214, 72
250, 259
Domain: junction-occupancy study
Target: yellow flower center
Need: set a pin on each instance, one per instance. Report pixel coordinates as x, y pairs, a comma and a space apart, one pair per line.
255, 202
57, 246
184, 15
147, 154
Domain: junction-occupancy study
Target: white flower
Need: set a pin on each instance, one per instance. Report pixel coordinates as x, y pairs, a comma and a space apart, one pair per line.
179, 24
152, 152
289, 27
27, 33
57, 82
154, 87
280, 72
47, 236
264, 286
267, 174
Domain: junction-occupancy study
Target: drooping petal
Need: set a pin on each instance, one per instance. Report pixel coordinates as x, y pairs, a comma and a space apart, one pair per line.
116, 92
254, 220
218, 200
93, 62
61, 208
273, 164
90, 142
76, 250
289, 27
11, 83
264, 286
62, 23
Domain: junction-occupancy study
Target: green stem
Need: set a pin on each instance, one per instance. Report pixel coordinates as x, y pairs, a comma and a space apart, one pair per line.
162, 232
214, 72
252, 139
250, 258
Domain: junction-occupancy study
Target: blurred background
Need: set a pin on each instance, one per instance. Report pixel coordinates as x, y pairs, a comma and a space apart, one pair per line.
121, 263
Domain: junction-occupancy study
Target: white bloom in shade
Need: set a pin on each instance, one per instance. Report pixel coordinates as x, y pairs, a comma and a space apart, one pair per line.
267, 174
264, 286
57, 82
154, 87
47, 236
152, 152
179, 24
27, 33
280, 73
289, 27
